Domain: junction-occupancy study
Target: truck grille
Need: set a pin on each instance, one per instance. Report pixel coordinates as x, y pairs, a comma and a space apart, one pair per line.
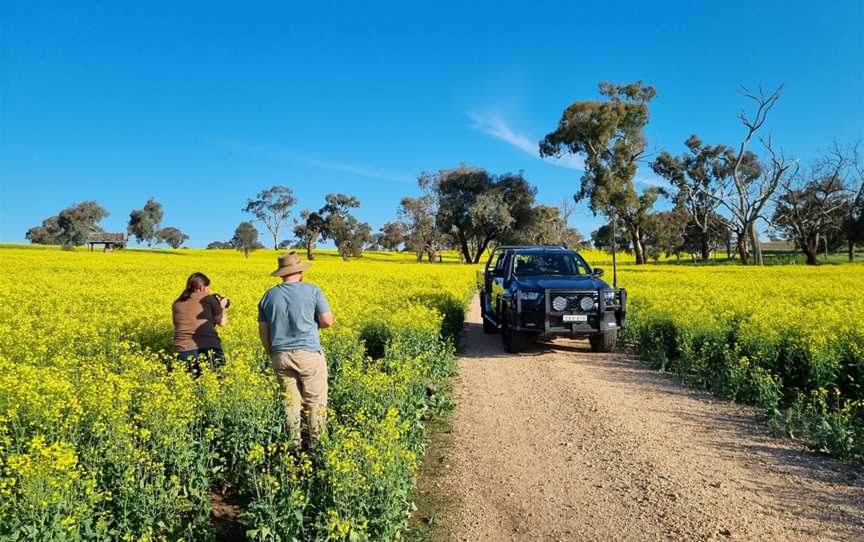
575, 300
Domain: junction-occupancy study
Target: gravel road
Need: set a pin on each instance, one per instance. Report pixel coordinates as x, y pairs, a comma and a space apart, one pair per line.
559, 443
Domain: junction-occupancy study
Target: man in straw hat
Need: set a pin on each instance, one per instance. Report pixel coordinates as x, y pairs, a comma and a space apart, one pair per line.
289, 316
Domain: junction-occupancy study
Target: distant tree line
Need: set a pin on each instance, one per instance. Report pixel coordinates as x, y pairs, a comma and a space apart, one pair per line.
719, 193
72, 226
718, 197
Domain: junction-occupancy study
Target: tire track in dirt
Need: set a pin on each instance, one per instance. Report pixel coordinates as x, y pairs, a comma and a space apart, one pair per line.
559, 443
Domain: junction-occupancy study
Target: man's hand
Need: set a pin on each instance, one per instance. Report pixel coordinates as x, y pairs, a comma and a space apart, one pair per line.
224, 302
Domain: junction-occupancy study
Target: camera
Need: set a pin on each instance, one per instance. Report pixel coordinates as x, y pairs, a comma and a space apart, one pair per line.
219, 298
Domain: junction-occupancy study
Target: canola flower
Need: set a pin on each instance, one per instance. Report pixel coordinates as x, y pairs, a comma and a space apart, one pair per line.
788, 338
99, 441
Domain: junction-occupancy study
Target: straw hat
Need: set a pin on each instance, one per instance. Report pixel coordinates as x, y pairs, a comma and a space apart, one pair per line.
289, 264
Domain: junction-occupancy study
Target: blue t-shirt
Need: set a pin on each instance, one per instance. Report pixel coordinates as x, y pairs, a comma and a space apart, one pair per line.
291, 310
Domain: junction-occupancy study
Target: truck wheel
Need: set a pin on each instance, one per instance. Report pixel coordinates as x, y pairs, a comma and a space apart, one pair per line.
509, 338
604, 342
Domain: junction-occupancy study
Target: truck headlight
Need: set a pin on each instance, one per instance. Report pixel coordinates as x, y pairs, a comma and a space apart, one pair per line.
529, 296
609, 297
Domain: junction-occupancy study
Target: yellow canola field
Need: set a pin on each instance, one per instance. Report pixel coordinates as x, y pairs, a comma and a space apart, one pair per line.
783, 336
98, 441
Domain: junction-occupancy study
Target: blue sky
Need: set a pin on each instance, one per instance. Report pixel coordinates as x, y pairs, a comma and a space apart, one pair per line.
200, 105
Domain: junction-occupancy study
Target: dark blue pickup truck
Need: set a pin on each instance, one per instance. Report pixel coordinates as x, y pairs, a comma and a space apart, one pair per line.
545, 291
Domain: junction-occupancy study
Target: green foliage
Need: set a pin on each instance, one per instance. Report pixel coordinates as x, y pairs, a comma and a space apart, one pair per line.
245, 238
144, 223
348, 233
820, 391
171, 236
272, 207
70, 227
610, 135
477, 207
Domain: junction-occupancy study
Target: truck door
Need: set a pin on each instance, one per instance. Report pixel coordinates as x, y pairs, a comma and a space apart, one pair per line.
488, 278
498, 276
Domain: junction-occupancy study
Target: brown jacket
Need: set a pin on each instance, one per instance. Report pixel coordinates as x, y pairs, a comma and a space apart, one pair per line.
195, 323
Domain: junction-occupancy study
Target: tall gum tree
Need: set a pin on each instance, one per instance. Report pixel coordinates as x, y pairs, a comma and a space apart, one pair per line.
272, 207
477, 208
609, 133
697, 174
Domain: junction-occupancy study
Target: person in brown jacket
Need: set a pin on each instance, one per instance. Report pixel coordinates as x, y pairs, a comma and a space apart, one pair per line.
196, 314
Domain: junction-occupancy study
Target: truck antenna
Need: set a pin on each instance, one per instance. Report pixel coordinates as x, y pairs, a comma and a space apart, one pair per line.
614, 262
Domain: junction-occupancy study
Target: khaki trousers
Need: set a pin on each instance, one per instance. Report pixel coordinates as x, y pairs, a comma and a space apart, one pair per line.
303, 378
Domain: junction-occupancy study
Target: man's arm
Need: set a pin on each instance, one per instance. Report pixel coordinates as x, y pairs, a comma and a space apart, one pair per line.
322, 311
264, 333
325, 320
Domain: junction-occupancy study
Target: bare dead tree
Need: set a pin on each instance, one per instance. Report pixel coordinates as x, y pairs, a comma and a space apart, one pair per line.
853, 225
809, 207
751, 183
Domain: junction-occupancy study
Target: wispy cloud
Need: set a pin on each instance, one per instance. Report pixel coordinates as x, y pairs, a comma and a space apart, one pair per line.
283, 155
353, 169
493, 124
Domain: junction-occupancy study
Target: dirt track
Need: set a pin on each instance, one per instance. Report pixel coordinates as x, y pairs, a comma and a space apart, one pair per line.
559, 443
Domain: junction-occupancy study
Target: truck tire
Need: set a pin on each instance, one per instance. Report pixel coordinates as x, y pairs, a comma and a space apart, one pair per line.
604, 342
509, 338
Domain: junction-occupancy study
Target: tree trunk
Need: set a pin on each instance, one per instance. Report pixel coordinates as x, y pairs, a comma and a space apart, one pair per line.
419, 255
638, 249
463, 244
742, 249
276, 241
851, 249
705, 247
812, 253
482, 248
757, 247
309, 255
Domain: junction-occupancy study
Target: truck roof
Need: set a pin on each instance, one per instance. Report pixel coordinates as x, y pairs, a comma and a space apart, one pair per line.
535, 248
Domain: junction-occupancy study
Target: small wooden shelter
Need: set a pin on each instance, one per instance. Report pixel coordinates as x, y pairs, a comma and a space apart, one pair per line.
109, 240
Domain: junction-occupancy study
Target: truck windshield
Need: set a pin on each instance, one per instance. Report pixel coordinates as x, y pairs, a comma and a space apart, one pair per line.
527, 265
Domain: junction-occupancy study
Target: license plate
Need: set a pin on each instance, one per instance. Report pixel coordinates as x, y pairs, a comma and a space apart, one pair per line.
575, 317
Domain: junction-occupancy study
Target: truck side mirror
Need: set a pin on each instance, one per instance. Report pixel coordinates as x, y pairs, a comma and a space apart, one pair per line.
598, 272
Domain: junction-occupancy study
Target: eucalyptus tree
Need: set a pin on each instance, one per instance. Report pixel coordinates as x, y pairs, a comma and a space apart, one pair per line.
609, 133
348, 234
308, 230
144, 223
272, 207
698, 174
171, 236
477, 208
245, 238
418, 215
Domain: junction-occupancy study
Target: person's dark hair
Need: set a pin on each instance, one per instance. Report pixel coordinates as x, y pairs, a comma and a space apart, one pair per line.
195, 281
